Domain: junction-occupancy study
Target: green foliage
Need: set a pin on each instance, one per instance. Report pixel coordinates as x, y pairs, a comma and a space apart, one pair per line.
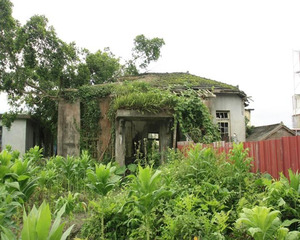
103, 179
153, 101
198, 195
9, 204
72, 203
144, 52
188, 109
8, 118
186, 218
18, 173
107, 211
103, 66
284, 195
194, 118
37, 223
146, 190
263, 224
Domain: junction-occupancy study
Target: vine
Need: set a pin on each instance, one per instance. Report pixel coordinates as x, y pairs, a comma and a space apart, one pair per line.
194, 118
90, 113
187, 107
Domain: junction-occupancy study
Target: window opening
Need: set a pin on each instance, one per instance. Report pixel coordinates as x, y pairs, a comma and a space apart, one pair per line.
223, 121
153, 138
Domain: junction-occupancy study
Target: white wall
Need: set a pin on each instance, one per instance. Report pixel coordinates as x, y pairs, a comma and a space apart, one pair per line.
15, 136
235, 105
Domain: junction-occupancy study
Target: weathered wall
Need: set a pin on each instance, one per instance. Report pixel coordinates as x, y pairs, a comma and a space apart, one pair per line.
15, 136
235, 105
104, 143
68, 128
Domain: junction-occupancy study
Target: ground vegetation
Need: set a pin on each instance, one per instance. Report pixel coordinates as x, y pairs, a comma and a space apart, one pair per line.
198, 194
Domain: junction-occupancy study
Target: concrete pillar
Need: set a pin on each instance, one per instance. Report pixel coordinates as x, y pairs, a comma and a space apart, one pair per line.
165, 141
68, 128
120, 150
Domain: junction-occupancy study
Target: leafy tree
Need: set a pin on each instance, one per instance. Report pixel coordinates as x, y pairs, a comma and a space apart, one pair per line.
36, 66
144, 52
103, 66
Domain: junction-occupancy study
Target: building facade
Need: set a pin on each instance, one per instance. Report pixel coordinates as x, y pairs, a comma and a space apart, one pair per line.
23, 134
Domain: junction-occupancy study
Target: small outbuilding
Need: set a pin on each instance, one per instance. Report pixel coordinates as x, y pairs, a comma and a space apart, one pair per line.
269, 132
23, 134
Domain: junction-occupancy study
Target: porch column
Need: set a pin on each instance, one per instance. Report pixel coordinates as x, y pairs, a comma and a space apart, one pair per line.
120, 142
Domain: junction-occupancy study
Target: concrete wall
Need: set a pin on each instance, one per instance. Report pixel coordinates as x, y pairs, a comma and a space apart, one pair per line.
104, 143
68, 128
15, 136
235, 105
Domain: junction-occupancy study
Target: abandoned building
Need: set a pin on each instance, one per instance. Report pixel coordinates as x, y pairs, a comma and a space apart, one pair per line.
225, 103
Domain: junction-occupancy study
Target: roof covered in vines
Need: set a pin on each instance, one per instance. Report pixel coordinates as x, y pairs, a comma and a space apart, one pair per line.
178, 79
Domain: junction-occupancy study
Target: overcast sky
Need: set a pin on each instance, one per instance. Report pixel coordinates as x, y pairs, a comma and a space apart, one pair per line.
245, 43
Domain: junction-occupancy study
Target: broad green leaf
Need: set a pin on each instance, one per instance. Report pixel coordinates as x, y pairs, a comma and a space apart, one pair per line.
294, 235
43, 222
67, 233
22, 178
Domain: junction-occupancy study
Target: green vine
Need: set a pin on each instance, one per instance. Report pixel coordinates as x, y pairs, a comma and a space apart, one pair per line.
191, 113
187, 107
194, 118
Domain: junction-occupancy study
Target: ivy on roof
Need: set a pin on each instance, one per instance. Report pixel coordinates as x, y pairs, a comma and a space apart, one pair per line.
178, 79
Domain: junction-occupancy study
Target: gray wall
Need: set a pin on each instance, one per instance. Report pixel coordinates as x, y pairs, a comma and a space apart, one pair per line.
68, 128
235, 105
15, 136
23, 135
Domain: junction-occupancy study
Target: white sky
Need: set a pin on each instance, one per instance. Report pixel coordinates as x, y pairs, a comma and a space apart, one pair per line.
239, 42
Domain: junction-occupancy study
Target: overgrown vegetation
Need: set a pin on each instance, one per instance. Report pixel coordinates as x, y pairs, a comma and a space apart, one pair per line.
202, 195
187, 107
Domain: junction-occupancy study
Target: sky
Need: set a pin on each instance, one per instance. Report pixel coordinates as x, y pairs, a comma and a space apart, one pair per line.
251, 44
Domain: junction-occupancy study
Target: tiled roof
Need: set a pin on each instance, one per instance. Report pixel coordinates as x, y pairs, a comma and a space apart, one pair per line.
263, 132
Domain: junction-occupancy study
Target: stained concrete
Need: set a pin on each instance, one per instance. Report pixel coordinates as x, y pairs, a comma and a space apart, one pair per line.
68, 128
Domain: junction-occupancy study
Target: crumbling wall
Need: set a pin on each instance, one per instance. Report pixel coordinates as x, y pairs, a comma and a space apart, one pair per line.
105, 136
68, 128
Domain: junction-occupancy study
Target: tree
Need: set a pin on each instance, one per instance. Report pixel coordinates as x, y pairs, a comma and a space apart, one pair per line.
103, 66
144, 52
36, 65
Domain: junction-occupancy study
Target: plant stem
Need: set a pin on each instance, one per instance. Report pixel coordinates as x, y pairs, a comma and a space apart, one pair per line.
102, 226
147, 227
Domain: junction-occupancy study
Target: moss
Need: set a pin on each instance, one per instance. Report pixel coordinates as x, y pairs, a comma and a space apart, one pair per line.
178, 79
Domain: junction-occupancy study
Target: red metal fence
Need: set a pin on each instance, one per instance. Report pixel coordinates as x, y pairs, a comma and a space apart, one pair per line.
275, 156
271, 156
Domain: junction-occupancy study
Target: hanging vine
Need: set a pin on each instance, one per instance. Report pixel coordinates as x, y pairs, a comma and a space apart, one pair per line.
187, 107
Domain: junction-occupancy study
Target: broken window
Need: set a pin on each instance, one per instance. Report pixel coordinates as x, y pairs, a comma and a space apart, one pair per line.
223, 121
